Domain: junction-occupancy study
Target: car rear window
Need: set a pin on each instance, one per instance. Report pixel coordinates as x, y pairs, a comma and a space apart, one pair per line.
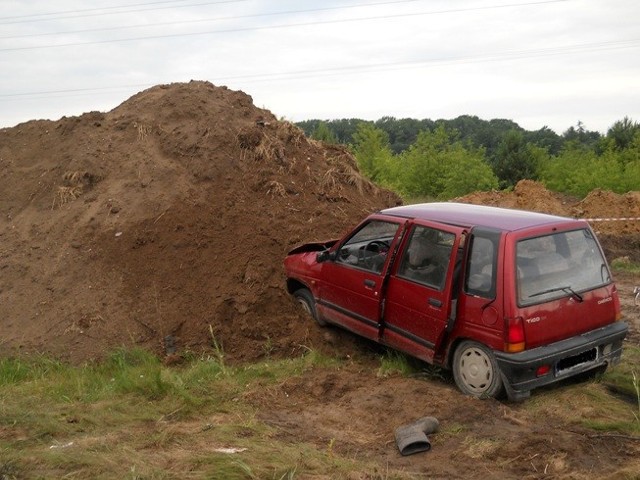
557, 265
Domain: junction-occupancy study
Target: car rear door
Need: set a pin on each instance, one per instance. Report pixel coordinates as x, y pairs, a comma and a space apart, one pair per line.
349, 293
418, 299
562, 282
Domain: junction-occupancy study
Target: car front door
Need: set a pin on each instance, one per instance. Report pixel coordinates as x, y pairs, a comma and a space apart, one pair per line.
420, 289
349, 293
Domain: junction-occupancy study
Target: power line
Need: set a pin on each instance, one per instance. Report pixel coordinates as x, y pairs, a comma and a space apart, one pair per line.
286, 25
83, 15
217, 19
355, 69
63, 12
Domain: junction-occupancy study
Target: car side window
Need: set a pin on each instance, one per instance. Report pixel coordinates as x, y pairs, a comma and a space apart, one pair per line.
368, 247
426, 258
481, 268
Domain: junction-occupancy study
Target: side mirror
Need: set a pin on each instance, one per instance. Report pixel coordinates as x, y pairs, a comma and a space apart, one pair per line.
324, 256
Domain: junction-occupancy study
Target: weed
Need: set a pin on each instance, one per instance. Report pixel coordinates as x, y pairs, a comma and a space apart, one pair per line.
13, 371
480, 447
143, 130
218, 353
268, 347
453, 429
276, 189
341, 173
624, 264
433, 372
393, 362
624, 381
330, 446
289, 474
246, 469
636, 386
8, 471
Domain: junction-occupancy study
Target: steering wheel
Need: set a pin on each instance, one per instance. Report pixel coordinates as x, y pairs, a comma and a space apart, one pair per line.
374, 246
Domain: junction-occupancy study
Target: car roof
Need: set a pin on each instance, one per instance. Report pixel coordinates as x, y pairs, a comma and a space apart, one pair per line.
468, 215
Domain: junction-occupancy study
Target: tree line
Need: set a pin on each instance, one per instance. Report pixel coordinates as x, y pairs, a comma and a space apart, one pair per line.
448, 158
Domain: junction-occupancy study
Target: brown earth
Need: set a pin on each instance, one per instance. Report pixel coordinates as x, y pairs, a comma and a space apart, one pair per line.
161, 219
163, 224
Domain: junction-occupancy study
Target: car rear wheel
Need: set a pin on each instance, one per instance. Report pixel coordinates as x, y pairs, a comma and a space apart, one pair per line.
305, 298
476, 371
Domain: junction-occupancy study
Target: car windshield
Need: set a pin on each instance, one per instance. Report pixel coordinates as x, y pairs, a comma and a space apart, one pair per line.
368, 247
557, 265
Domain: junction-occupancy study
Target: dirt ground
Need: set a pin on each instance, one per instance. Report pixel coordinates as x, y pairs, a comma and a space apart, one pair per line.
164, 222
356, 411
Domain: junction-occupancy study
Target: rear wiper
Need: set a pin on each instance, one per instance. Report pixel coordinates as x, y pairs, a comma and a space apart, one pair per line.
566, 289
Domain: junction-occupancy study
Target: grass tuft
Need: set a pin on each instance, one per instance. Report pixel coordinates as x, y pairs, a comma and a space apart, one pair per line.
624, 264
393, 362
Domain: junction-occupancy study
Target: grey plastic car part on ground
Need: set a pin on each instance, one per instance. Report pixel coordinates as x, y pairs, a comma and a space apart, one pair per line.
413, 438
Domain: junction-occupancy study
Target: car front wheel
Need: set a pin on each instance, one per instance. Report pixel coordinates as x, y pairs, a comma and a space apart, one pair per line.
305, 298
476, 371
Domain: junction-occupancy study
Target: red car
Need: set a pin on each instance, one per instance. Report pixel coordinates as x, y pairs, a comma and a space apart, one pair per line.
507, 299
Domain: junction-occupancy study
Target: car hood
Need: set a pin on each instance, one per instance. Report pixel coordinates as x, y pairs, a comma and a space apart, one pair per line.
313, 247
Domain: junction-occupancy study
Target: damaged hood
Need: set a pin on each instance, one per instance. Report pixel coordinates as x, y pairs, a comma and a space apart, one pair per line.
313, 247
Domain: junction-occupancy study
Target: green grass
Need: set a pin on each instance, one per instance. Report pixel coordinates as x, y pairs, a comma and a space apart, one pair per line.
623, 264
624, 381
604, 403
393, 362
132, 417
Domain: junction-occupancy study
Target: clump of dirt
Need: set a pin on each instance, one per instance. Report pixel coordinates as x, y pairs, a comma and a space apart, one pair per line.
527, 195
163, 223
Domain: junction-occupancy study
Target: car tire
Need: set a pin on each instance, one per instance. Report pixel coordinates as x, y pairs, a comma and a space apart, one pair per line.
305, 298
476, 371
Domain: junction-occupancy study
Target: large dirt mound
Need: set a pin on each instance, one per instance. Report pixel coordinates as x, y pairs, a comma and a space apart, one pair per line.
165, 221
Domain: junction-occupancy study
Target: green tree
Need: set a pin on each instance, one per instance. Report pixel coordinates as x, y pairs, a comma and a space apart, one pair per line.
577, 170
580, 135
402, 132
372, 152
467, 173
516, 160
323, 132
622, 133
437, 166
545, 138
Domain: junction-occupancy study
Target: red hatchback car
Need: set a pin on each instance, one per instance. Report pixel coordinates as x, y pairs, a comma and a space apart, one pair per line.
507, 299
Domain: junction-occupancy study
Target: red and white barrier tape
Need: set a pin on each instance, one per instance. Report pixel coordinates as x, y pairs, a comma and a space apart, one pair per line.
623, 219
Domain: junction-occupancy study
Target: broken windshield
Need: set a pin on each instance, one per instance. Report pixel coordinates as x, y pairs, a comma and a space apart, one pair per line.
557, 265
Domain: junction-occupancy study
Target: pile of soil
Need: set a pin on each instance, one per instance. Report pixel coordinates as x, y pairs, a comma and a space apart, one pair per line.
163, 223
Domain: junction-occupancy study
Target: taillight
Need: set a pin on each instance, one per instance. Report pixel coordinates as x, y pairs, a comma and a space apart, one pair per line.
543, 370
616, 304
515, 335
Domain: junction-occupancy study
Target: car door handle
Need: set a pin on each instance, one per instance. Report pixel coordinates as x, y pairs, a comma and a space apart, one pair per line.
435, 302
369, 283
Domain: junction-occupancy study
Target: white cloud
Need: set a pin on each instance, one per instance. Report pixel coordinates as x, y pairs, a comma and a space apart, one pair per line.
435, 59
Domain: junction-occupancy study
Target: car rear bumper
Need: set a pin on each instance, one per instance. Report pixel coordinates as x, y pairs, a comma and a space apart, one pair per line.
524, 371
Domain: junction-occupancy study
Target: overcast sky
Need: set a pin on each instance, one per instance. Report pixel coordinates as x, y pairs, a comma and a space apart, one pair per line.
540, 63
